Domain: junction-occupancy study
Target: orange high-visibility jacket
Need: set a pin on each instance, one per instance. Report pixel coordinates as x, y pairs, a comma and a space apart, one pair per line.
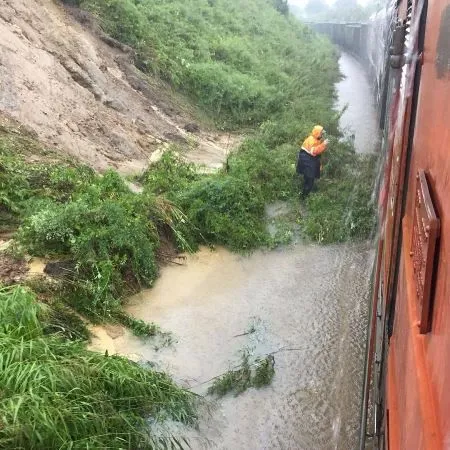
312, 144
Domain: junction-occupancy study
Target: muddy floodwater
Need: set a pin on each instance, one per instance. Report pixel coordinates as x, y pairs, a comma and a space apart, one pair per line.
355, 92
309, 302
305, 303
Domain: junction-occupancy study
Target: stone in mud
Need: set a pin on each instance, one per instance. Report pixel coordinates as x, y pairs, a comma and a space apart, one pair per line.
174, 137
141, 126
73, 127
192, 128
12, 270
114, 104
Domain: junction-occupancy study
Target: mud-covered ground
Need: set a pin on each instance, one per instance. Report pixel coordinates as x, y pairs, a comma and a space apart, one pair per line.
79, 91
12, 270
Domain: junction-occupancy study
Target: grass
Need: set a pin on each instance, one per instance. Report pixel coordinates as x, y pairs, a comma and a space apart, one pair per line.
257, 373
343, 208
56, 394
243, 62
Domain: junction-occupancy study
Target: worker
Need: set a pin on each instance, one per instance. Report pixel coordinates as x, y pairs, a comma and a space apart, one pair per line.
308, 159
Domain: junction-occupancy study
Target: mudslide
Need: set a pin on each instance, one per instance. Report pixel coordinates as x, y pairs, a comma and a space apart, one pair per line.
78, 89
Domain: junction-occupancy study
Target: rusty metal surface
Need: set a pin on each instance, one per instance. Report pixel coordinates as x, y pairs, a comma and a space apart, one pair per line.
422, 362
426, 228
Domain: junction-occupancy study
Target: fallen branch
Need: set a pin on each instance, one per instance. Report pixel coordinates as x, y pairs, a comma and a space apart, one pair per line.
282, 349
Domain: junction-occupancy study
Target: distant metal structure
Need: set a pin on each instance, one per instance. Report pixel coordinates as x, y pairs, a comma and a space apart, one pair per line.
351, 36
367, 42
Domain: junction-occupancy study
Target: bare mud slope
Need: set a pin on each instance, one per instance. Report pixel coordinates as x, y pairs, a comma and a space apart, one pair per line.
80, 92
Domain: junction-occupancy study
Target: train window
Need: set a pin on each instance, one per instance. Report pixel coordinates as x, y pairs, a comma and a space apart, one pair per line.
425, 234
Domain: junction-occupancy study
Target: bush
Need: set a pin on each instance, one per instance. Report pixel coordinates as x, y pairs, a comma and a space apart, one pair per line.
225, 210
106, 232
267, 170
217, 209
343, 208
170, 174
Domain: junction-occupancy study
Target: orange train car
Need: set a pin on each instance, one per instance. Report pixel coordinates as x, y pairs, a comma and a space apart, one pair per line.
407, 381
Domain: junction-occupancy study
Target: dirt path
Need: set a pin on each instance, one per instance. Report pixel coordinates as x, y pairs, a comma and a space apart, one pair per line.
79, 91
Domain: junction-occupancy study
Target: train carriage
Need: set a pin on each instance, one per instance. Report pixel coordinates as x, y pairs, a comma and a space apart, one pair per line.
408, 365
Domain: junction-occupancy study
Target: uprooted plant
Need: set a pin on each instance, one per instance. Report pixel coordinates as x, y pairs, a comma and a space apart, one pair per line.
251, 372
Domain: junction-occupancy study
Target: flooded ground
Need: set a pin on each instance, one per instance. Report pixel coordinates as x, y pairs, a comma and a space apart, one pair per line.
360, 118
309, 303
306, 303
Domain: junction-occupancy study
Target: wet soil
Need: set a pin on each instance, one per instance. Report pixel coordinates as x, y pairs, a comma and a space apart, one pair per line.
79, 91
12, 270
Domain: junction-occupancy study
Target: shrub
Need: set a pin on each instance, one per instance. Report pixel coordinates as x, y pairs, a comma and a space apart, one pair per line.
170, 174
106, 232
343, 208
225, 210
268, 170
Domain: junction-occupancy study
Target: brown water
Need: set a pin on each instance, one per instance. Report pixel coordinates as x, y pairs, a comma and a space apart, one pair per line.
308, 303
355, 92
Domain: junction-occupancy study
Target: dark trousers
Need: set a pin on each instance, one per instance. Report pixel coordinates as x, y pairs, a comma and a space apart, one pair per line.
309, 167
308, 184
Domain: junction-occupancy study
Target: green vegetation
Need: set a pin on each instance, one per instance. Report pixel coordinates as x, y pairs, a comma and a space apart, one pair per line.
248, 64
56, 394
228, 208
108, 234
244, 62
258, 373
343, 208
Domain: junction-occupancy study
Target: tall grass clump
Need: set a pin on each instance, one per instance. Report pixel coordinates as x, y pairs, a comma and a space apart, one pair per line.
110, 234
57, 395
256, 372
343, 208
105, 232
219, 209
225, 210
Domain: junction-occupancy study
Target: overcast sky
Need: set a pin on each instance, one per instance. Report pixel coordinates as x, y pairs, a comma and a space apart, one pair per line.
330, 2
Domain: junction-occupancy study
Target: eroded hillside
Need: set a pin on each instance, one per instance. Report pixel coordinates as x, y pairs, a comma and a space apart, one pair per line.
80, 92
